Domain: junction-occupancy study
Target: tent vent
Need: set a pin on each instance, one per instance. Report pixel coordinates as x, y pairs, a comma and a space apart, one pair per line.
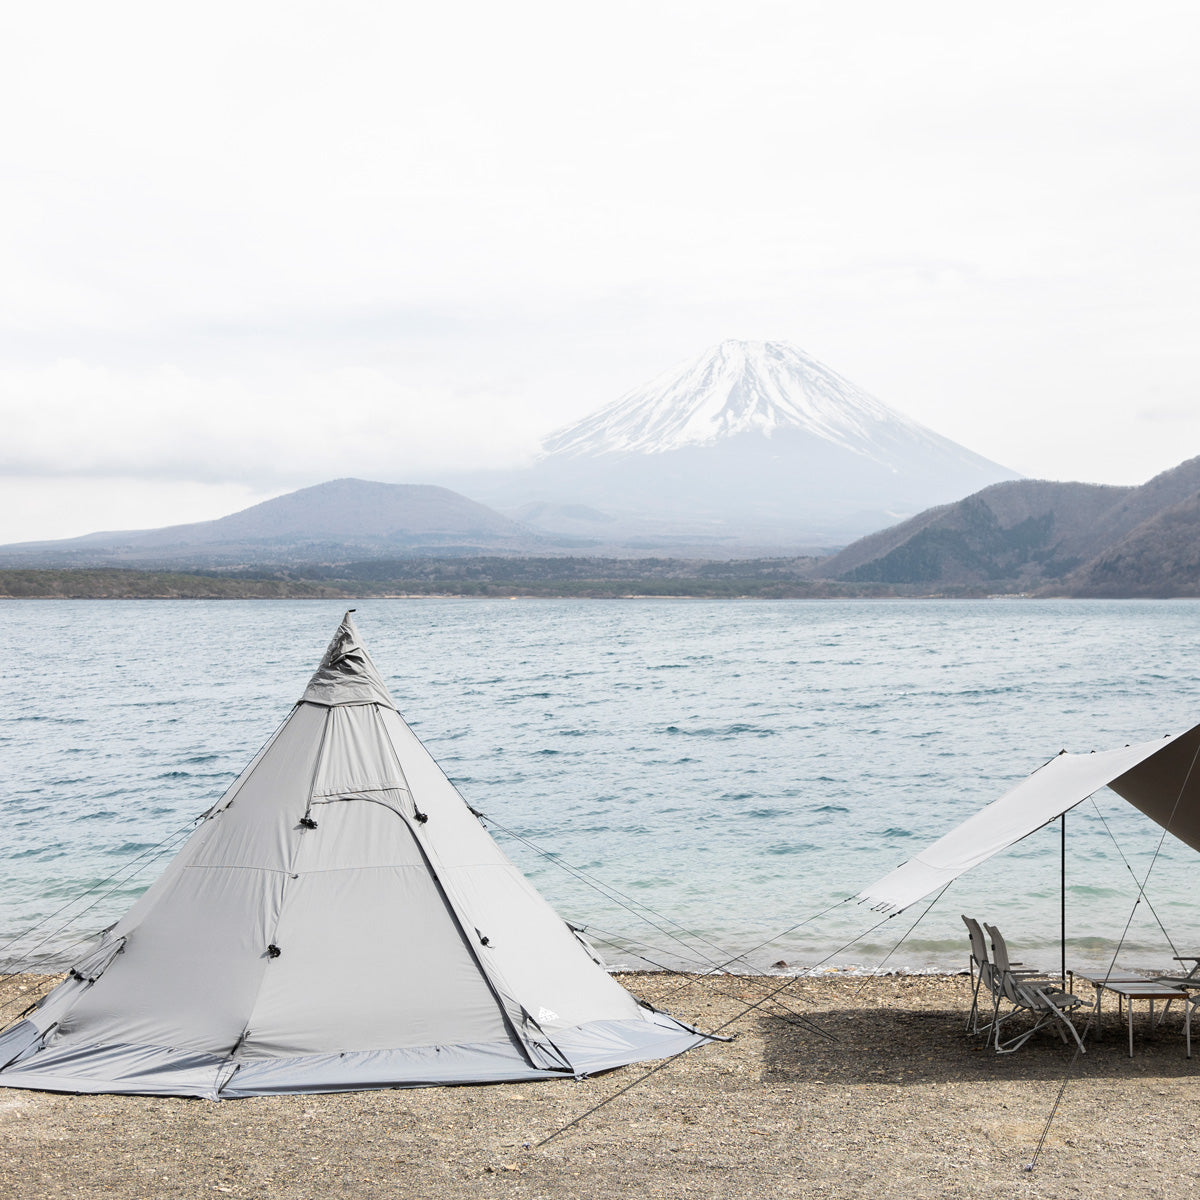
273, 951
307, 823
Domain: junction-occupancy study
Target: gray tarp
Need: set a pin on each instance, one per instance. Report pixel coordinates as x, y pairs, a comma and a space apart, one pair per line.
340, 920
1157, 777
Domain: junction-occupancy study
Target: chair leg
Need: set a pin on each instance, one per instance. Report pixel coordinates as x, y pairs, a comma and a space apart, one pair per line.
1065, 1020
1016, 1042
973, 1015
997, 1021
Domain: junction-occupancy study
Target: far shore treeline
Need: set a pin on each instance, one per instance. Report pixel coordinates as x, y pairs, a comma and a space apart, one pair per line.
501, 577
487, 577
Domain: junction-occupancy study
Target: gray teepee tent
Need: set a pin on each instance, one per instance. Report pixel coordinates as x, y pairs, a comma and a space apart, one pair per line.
340, 920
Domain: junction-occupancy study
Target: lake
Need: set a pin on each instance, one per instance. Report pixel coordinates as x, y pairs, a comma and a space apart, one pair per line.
685, 779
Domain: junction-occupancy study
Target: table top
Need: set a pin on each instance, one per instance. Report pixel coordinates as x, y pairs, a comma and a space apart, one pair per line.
1134, 989
1118, 977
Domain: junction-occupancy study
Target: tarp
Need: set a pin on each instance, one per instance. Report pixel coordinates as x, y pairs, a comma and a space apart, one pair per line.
340, 920
1159, 778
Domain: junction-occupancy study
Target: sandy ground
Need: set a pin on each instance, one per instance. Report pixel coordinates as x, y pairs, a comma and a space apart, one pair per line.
855, 1088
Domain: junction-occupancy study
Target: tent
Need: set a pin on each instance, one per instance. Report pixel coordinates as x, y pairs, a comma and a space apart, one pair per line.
1160, 778
340, 920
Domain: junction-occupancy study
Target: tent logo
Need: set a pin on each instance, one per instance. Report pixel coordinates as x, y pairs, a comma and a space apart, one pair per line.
546, 1014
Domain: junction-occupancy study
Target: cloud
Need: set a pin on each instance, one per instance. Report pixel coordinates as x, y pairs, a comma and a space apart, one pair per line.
1168, 413
79, 419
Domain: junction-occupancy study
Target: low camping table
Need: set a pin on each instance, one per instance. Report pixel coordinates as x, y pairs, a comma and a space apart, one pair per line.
1187, 984
1129, 988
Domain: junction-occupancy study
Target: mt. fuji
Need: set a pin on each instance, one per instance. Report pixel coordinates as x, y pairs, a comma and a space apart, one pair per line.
765, 388
753, 443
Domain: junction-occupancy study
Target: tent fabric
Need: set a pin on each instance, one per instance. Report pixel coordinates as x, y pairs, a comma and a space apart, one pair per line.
1157, 777
340, 920
1166, 787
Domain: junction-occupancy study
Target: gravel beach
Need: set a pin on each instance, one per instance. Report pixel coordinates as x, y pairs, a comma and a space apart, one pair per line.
841, 1086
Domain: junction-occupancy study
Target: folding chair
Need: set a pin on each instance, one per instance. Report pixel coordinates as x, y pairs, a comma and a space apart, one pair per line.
983, 976
1047, 1004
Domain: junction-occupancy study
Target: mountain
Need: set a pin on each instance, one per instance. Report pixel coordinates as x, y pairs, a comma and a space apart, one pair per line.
753, 442
1033, 535
1159, 557
331, 522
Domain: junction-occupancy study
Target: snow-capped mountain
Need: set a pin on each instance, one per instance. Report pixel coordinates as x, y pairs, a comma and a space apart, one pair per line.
753, 443
764, 388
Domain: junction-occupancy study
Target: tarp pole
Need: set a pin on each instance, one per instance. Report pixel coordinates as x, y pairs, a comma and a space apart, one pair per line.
1063, 901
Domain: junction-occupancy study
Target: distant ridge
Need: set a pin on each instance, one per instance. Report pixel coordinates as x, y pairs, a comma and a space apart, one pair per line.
329, 522
1033, 535
752, 442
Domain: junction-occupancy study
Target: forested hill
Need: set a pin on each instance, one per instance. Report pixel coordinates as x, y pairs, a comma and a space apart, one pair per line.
1071, 539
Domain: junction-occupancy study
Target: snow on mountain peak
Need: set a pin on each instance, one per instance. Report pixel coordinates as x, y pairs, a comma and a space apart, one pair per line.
736, 388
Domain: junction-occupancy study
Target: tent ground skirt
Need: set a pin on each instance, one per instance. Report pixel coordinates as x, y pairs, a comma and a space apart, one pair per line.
156, 1071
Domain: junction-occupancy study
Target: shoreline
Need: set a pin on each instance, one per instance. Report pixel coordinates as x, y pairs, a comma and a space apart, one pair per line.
840, 1086
503, 579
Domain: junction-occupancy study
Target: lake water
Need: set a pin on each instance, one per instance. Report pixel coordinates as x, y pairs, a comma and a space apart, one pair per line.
724, 768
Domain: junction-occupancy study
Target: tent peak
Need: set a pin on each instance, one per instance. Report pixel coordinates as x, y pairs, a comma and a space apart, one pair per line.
346, 674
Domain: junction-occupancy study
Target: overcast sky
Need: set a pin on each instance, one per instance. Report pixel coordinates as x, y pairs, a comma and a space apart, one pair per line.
248, 247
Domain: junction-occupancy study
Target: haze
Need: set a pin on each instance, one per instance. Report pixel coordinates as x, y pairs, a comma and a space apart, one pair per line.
249, 248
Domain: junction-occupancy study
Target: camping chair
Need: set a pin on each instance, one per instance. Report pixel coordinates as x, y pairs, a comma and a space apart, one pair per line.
1047, 1004
983, 976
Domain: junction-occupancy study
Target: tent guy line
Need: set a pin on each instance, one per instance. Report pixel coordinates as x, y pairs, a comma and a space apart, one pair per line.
801, 1019
788, 1015
749, 1008
30, 959
688, 982
173, 835
631, 905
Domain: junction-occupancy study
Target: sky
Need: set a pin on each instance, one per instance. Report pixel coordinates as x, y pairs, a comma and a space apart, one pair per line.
247, 248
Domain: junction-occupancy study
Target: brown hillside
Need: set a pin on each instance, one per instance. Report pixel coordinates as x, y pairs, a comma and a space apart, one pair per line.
1161, 557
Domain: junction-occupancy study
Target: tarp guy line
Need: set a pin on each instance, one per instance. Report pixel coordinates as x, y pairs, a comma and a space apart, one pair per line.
1129, 868
611, 892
